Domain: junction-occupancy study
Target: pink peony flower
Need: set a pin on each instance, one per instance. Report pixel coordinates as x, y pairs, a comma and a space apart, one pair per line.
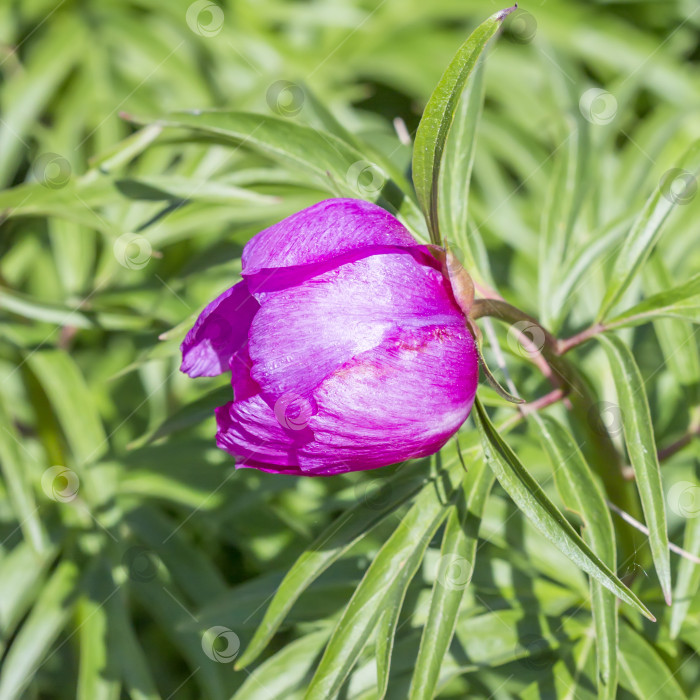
346, 347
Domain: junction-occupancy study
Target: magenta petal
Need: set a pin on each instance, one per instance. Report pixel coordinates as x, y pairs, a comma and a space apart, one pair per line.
302, 333
323, 232
243, 385
256, 433
219, 333
399, 401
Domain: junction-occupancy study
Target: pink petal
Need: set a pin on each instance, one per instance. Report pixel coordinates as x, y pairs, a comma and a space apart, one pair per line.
252, 431
321, 233
302, 333
399, 401
219, 333
244, 386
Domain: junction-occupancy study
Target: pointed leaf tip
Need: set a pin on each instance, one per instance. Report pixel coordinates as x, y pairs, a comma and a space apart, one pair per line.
500, 16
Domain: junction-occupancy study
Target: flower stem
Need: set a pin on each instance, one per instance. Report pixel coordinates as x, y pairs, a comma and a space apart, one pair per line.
567, 344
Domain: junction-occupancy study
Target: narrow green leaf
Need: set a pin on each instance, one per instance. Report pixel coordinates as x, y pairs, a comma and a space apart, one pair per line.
438, 116
688, 579
645, 233
72, 401
25, 306
188, 566
557, 221
457, 559
572, 675
170, 611
456, 173
643, 671
28, 90
282, 674
676, 336
388, 576
333, 164
388, 618
22, 575
37, 634
579, 263
347, 529
582, 494
534, 503
16, 475
96, 678
125, 151
135, 673
682, 302
641, 447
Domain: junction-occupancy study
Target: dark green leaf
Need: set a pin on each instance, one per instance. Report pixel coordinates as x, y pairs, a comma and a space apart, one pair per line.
582, 494
532, 500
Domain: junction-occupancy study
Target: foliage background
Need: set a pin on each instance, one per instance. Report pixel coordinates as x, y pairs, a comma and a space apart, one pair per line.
127, 537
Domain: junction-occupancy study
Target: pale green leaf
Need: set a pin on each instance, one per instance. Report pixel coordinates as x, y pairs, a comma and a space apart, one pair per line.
641, 447
457, 560
437, 119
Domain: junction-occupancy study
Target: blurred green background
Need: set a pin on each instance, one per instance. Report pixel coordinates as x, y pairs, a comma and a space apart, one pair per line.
127, 537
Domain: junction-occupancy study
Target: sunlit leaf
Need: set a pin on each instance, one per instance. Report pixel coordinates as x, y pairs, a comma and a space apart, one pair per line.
641, 447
